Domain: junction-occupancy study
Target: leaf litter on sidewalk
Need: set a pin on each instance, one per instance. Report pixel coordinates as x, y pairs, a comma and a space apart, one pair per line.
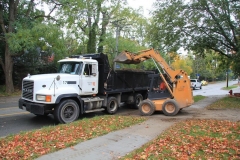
194, 139
32, 144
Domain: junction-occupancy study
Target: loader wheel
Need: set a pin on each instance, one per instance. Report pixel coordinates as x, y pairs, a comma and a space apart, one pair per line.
67, 111
112, 105
170, 107
138, 100
146, 108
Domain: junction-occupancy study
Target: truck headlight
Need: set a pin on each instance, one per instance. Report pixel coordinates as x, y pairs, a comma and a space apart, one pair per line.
46, 98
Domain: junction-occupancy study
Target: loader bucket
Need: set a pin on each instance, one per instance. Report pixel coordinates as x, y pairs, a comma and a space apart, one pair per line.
126, 58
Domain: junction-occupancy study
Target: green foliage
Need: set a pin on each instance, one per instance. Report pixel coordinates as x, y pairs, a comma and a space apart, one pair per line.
48, 37
198, 25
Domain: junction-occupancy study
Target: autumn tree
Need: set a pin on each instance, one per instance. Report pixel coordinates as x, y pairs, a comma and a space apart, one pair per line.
184, 63
198, 25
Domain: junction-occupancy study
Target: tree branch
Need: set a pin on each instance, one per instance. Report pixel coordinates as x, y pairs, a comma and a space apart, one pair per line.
43, 16
219, 51
15, 8
218, 25
29, 8
55, 6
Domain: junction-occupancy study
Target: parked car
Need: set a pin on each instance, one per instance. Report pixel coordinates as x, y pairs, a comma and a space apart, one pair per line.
196, 83
204, 83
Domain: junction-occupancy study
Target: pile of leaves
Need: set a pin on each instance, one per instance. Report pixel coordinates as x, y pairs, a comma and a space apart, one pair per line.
194, 139
225, 103
32, 144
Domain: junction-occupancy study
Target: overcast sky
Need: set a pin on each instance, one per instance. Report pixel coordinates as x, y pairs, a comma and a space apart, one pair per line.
146, 4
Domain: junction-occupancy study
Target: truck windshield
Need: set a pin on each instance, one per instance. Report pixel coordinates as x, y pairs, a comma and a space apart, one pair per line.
70, 67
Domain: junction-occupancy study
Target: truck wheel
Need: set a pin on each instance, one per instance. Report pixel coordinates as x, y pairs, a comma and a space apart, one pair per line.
201, 87
194, 87
138, 100
170, 107
146, 108
112, 105
67, 111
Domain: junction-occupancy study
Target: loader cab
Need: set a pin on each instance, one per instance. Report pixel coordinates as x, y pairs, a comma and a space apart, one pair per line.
155, 90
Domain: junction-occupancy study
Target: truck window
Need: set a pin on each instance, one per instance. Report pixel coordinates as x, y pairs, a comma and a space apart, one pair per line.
70, 67
88, 69
94, 69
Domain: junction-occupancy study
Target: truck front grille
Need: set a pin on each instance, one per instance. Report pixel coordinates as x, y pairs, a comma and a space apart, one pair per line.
27, 90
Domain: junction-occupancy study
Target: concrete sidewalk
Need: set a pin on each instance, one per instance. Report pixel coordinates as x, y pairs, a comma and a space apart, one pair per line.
113, 145
117, 144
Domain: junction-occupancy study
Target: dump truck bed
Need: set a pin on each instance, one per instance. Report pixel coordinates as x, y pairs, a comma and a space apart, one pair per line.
128, 80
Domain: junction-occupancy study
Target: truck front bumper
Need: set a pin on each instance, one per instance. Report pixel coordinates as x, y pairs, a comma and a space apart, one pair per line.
35, 108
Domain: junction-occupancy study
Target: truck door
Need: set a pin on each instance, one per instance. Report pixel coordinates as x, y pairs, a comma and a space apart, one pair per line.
89, 79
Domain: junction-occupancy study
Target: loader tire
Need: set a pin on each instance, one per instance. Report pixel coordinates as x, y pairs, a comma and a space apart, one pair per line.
146, 108
170, 107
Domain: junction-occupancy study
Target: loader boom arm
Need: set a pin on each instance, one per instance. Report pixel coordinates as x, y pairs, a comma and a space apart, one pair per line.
130, 58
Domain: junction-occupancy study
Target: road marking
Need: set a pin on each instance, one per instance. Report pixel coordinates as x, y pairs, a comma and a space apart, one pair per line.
8, 102
8, 108
14, 114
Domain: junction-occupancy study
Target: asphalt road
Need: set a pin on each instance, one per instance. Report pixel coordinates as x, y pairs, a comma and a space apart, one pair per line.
213, 89
14, 120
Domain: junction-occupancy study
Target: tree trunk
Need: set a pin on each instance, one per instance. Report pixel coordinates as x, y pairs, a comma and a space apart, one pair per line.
103, 32
8, 71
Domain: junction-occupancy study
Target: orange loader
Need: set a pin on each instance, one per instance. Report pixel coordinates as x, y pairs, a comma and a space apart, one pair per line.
178, 93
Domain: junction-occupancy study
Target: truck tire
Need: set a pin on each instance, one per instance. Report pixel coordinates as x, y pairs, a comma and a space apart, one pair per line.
66, 111
146, 108
201, 87
112, 105
170, 107
138, 100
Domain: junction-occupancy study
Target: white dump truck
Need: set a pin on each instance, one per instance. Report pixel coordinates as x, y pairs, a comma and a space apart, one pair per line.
84, 83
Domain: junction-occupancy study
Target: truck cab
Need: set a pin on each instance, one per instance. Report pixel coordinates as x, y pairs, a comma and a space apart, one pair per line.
86, 72
76, 78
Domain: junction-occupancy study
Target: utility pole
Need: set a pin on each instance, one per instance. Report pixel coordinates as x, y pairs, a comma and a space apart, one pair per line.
118, 28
